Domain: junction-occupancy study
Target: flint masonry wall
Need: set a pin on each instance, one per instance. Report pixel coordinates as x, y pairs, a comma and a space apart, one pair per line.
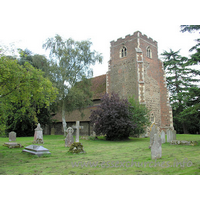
140, 72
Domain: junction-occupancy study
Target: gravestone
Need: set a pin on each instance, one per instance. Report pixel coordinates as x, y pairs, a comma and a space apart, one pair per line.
162, 137
156, 149
153, 130
11, 145
69, 140
12, 136
38, 135
77, 127
36, 150
169, 135
173, 135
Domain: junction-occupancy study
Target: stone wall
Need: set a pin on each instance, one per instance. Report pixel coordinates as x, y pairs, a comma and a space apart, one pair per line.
140, 72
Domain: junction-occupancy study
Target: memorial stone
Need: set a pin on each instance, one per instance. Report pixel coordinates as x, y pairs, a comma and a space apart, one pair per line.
156, 149
36, 150
12, 136
153, 130
169, 135
77, 127
162, 137
69, 140
38, 135
173, 135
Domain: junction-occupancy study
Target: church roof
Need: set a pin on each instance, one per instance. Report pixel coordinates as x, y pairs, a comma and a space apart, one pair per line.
98, 88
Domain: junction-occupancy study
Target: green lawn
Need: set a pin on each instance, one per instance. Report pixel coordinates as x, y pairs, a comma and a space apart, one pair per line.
111, 158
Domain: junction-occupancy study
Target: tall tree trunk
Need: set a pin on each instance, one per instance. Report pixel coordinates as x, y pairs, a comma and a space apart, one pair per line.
63, 119
185, 131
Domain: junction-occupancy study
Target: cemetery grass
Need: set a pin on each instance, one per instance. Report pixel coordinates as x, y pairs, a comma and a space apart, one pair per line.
110, 158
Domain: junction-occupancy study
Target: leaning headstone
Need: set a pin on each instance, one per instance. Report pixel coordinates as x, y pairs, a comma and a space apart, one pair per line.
12, 136
36, 150
156, 149
173, 135
169, 135
38, 135
77, 127
69, 140
162, 137
153, 130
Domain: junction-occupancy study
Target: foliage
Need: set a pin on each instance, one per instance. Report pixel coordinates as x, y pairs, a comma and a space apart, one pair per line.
195, 57
113, 118
70, 63
141, 116
76, 147
24, 86
180, 79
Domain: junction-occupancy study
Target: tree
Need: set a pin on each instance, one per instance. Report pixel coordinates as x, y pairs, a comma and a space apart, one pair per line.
140, 115
195, 57
191, 113
25, 86
179, 79
70, 63
113, 118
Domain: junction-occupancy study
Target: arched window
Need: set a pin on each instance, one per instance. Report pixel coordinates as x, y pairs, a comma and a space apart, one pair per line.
123, 52
149, 53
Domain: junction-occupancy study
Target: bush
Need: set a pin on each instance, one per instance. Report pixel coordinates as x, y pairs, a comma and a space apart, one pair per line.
140, 115
113, 118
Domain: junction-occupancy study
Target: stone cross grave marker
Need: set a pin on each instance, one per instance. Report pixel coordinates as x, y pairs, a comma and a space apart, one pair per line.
162, 136
169, 135
38, 135
77, 127
69, 140
12, 136
156, 149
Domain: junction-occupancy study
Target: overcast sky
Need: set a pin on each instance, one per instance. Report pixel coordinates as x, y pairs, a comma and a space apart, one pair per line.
29, 23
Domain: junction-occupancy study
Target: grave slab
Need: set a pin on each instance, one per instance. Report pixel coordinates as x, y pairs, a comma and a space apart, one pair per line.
36, 150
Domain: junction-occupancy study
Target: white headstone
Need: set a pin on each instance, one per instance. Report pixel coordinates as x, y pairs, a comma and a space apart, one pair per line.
153, 130
162, 136
12, 136
38, 136
77, 127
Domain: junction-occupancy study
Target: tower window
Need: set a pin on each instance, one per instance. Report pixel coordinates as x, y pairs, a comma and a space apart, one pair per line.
149, 53
123, 52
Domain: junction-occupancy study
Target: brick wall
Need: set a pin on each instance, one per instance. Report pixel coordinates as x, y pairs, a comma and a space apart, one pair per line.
140, 73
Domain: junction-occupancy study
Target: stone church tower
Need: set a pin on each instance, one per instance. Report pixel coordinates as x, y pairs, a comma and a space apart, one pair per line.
134, 69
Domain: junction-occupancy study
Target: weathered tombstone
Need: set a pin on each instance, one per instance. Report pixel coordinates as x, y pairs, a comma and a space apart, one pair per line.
77, 127
156, 149
52, 131
169, 135
153, 130
12, 136
173, 135
162, 137
11, 145
69, 140
36, 150
38, 135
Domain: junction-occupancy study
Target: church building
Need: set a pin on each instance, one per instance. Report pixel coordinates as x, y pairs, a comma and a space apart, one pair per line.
134, 69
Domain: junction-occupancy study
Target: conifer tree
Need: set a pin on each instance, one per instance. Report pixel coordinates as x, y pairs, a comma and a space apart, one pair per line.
180, 79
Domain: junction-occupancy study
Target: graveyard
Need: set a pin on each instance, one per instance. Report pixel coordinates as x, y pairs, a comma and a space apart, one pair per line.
101, 157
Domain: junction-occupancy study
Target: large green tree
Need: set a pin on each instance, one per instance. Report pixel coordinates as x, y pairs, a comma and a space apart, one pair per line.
180, 79
22, 85
71, 63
